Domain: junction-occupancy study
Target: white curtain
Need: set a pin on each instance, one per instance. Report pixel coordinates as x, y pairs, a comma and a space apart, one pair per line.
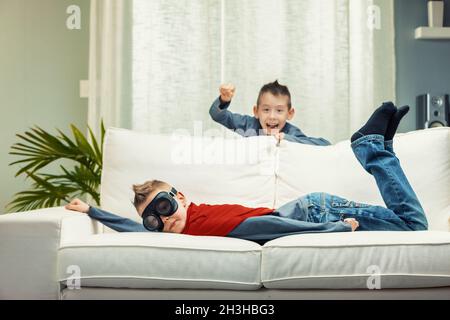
109, 64
336, 56
176, 63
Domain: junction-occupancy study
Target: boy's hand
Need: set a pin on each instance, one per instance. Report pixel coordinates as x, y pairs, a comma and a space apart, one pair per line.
226, 92
279, 136
77, 205
354, 223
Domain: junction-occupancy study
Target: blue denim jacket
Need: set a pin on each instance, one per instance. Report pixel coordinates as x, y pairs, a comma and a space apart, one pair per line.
249, 126
115, 222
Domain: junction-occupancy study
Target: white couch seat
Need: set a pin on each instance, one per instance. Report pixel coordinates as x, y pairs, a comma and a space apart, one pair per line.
156, 260
348, 260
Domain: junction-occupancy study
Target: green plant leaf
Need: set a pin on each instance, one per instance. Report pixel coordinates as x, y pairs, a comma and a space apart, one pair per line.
67, 139
38, 148
98, 152
102, 128
82, 143
33, 166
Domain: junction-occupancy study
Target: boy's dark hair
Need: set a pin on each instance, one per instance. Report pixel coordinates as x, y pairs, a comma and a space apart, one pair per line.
276, 89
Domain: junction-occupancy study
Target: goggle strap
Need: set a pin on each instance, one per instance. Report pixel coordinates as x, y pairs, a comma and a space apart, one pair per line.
173, 192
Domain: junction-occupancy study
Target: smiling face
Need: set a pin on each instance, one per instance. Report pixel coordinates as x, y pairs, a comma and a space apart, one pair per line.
174, 223
273, 112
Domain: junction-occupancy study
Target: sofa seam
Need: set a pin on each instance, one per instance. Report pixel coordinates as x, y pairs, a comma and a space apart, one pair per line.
359, 275
156, 278
356, 245
165, 248
275, 172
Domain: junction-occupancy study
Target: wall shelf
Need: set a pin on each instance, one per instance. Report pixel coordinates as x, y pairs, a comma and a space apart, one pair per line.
432, 33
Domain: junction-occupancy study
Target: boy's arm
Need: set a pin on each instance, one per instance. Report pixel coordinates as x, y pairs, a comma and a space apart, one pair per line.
115, 222
270, 227
294, 134
219, 112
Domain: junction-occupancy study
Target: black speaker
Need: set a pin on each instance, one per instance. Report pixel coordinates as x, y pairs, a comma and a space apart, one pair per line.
433, 110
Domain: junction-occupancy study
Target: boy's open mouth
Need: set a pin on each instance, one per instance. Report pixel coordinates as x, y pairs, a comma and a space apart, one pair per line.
272, 126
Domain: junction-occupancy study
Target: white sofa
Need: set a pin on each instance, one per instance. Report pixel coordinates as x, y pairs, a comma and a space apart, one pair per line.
59, 254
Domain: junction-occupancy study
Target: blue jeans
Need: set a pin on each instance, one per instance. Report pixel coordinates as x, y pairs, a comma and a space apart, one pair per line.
403, 206
317, 211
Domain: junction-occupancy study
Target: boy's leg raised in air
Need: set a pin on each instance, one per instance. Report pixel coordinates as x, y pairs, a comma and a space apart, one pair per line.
378, 122
369, 148
392, 127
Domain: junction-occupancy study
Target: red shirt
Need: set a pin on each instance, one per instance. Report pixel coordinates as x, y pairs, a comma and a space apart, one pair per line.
218, 220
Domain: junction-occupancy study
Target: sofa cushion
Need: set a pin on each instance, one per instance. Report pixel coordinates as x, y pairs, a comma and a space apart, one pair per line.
162, 260
347, 260
424, 156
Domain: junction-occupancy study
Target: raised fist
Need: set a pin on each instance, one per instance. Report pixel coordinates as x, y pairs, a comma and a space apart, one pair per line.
226, 92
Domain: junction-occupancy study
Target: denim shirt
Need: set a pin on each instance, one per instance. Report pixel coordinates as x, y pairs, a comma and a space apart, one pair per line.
246, 125
115, 222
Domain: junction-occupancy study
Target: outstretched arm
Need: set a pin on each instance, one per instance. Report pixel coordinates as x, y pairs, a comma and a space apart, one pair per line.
110, 220
296, 135
115, 222
219, 112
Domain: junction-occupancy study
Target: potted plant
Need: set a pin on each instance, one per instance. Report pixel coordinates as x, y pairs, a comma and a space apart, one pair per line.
435, 13
38, 149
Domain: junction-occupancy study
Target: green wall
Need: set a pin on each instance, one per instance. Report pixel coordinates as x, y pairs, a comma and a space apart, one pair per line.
41, 64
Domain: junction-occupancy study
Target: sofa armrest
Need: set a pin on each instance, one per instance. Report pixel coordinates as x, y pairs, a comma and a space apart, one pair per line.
29, 243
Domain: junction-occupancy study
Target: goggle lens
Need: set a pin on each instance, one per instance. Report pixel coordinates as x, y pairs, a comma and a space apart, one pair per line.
151, 223
163, 207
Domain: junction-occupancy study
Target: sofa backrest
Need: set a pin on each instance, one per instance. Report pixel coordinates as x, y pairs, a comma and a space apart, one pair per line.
256, 172
206, 170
